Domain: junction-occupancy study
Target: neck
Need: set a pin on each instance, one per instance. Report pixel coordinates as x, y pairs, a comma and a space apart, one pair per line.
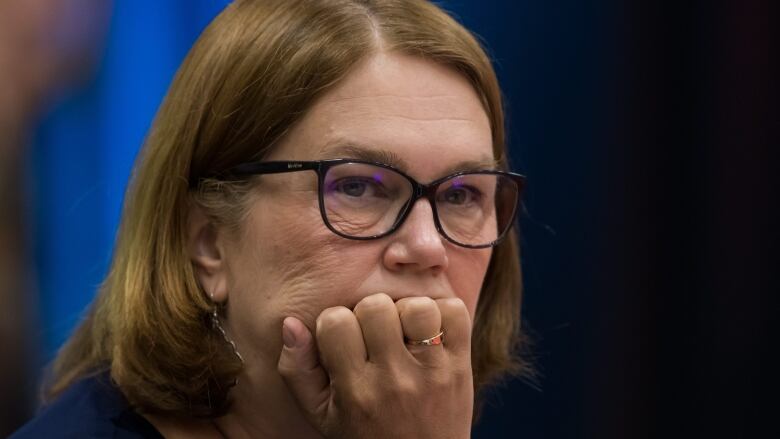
262, 406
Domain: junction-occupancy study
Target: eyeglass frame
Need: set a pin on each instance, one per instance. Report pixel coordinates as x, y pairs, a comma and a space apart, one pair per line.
419, 190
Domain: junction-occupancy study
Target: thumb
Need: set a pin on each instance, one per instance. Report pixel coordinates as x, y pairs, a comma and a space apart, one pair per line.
300, 367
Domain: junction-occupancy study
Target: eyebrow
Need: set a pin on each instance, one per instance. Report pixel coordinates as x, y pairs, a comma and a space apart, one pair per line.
352, 150
357, 151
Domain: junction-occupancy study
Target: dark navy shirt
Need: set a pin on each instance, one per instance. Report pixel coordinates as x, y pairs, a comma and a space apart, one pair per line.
91, 408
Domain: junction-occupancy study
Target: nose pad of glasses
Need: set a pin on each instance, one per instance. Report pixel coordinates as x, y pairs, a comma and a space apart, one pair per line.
430, 217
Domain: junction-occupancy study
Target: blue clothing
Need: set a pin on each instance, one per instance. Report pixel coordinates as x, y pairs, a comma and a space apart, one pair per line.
91, 408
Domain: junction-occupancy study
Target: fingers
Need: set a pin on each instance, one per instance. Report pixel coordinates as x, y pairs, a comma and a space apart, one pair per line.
381, 328
384, 324
300, 368
420, 319
340, 342
350, 352
456, 323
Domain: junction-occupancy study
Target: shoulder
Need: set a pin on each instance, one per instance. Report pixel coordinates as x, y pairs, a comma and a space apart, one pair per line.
91, 408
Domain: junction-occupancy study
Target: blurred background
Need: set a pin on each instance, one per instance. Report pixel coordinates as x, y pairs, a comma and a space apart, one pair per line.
647, 133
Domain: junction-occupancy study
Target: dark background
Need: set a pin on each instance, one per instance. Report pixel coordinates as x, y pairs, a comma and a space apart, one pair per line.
644, 128
647, 132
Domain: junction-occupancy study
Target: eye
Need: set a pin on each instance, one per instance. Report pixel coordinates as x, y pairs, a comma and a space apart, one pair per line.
358, 187
461, 195
353, 188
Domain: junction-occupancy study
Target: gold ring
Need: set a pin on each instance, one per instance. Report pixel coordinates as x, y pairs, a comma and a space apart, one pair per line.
433, 341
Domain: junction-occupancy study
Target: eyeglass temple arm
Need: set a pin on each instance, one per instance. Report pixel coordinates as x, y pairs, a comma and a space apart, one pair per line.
276, 167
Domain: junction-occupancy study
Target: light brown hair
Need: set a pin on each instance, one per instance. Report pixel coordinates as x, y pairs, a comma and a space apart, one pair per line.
251, 75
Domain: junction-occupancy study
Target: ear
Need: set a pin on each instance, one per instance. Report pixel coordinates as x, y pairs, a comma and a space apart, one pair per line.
205, 248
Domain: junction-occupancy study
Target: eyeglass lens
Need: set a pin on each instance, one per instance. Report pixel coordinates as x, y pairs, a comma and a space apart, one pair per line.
362, 200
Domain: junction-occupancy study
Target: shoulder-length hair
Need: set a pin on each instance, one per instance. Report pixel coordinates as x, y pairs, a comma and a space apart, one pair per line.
251, 75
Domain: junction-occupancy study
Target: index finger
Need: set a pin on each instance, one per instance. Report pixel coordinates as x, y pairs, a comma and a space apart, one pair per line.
339, 341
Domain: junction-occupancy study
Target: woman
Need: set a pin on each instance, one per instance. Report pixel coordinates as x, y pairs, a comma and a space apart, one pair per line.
279, 270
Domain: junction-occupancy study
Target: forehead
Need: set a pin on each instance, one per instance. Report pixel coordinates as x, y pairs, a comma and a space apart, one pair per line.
425, 115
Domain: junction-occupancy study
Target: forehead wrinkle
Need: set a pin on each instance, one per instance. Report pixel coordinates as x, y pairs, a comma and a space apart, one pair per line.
342, 95
394, 96
414, 103
429, 119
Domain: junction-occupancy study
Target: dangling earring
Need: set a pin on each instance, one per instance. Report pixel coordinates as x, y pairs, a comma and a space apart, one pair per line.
215, 324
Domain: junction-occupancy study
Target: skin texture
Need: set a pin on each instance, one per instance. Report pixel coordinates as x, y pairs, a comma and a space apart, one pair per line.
346, 304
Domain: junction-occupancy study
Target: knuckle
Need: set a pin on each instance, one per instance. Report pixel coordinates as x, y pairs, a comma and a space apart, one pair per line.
367, 402
333, 319
440, 379
373, 304
405, 388
452, 304
358, 401
285, 368
447, 381
453, 307
419, 306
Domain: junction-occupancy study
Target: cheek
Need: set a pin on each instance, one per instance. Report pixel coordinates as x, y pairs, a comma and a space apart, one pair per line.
467, 274
293, 266
292, 252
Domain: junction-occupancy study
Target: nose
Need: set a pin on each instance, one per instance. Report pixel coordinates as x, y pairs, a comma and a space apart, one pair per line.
417, 246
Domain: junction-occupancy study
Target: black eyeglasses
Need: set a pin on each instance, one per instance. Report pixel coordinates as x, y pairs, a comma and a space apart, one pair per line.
365, 200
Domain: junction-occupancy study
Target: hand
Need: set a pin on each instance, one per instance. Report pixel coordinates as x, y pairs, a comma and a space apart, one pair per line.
360, 380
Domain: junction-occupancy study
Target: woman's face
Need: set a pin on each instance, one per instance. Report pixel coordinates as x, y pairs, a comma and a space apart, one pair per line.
287, 263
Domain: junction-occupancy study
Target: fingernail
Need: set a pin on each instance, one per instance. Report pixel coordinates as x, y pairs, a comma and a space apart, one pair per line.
288, 337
